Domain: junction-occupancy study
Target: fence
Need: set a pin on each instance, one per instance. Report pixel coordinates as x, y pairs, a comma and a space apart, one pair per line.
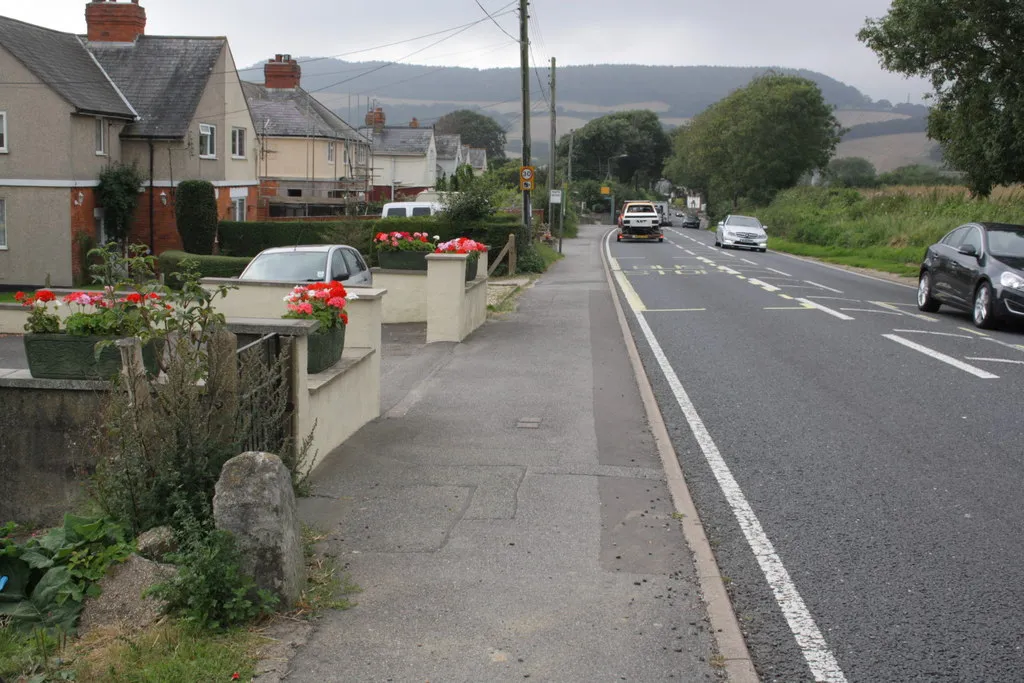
265, 403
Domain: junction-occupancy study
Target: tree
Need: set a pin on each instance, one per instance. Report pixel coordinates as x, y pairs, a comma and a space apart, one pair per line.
757, 141
118, 194
629, 146
195, 209
972, 52
476, 130
853, 172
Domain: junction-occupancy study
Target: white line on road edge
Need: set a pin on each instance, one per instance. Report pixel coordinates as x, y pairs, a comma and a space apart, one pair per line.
820, 659
826, 309
938, 334
949, 360
837, 291
997, 360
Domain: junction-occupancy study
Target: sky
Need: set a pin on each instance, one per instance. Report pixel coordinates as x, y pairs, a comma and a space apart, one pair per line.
782, 33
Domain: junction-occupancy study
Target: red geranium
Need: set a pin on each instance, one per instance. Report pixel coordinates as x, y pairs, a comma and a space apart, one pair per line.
323, 301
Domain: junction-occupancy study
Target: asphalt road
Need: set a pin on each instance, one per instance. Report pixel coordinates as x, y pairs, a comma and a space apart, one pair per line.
857, 464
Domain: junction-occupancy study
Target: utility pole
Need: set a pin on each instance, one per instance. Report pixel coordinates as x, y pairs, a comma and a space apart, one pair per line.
524, 69
554, 134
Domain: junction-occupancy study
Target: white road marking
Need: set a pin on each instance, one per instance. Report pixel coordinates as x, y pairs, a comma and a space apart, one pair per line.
819, 657
727, 269
779, 272
949, 360
725, 253
763, 285
968, 329
997, 360
753, 263
889, 306
689, 252
788, 308
672, 310
832, 298
1015, 347
870, 310
938, 334
843, 270
837, 314
837, 291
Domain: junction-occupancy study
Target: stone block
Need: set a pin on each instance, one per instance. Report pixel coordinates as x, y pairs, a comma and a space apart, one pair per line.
254, 500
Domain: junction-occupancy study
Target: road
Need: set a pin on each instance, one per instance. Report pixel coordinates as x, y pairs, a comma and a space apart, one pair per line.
857, 464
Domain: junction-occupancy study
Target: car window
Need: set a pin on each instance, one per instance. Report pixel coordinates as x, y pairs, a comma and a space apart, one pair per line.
350, 261
1006, 241
973, 238
421, 211
288, 266
953, 239
338, 267
396, 211
743, 222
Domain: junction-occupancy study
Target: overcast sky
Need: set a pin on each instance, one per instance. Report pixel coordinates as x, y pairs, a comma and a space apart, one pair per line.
812, 34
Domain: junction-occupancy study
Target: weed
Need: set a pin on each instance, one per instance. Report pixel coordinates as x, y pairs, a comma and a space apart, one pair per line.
678, 515
717, 661
325, 589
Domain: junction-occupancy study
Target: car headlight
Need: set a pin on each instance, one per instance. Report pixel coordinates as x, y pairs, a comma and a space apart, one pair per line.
1008, 279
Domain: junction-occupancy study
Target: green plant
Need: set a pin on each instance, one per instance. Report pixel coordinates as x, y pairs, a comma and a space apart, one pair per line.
170, 262
403, 241
321, 301
195, 209
249, 238
209, 590
118, 194
50, 575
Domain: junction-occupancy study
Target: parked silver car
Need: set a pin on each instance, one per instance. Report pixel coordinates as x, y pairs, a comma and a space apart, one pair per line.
310, 263
741, 231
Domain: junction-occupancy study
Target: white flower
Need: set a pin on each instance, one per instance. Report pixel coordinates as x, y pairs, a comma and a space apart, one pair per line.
352, 295
437, 237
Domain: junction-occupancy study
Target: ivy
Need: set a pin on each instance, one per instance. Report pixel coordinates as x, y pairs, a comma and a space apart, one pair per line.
118, 194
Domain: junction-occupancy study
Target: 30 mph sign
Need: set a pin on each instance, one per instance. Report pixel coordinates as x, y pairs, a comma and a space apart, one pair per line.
526, 178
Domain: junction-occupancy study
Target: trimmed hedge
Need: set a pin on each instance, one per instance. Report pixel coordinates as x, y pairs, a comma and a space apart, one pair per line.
195, 210
209, 266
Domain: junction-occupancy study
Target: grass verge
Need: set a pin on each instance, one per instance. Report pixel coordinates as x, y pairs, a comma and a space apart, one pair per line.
904, 261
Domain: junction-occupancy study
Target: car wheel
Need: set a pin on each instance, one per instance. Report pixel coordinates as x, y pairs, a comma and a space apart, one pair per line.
925, 301
661, 239
763, 250
982, 312
717, 243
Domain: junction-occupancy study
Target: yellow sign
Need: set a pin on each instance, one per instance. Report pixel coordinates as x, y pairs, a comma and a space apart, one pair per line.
526, 178
606, 190
526, 185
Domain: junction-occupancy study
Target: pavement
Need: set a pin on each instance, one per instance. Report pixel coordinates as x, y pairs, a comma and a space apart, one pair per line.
856, 463
508, 516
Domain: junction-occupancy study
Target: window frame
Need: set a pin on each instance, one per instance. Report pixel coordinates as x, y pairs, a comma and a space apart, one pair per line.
238, 204
3, 132
3, 224
211, 132
330, 151
238, 151
100, 137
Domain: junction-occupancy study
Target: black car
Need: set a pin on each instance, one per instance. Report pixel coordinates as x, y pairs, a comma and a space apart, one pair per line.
691, 221
979, 267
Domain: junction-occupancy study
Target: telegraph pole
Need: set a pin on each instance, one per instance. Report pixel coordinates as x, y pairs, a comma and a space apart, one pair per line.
554, 134
524, 68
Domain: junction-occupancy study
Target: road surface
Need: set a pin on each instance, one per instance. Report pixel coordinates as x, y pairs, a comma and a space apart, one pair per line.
857, 464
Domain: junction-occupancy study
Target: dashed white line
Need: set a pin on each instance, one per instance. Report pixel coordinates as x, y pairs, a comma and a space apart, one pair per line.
826, 309
819, 657
997, 360
938, 334
837, 291
727, 269
891, 307
949, 360
763, 285
779, 272
746, 260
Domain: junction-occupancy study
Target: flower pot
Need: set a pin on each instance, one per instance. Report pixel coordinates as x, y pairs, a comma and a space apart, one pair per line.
71, 356
324, 349
403, 260
473, 258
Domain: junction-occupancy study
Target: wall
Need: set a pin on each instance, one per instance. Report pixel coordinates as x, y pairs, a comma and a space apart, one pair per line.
38, 238
407, 294
401, 170
302, 159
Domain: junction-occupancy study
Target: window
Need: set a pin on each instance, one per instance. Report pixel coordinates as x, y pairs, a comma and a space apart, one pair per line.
953, 239
238, 143
3, 223
338, 269
101, 137
294, 193
330, 152
351, 262
3, 132
207, 141
101, 225
238, 209
973, 239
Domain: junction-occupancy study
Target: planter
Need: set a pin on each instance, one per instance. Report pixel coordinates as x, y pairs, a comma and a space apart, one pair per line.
471, 261
70, 356
324, 349
403, 260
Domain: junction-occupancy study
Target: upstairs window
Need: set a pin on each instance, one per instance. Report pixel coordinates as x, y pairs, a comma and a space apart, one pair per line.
3, 224
330, 152
207, 141
3, 132
238, 143
101, 137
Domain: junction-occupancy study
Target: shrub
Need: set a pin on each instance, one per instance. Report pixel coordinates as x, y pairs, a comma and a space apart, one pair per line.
118, 194
249, 238
208, 266
195, 209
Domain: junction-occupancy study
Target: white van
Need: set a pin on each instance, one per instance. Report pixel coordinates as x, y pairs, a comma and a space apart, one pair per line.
410, 209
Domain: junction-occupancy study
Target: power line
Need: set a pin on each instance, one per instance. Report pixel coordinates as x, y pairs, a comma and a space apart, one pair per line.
514, 39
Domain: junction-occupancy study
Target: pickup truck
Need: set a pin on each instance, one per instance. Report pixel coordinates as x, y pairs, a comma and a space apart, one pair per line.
639, 221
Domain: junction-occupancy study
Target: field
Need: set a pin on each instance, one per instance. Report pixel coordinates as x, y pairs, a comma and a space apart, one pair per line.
855, 117
888, 152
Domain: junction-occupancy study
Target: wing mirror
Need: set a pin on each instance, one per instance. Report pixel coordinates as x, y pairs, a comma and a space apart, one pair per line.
721, 224
968, 250
765, 228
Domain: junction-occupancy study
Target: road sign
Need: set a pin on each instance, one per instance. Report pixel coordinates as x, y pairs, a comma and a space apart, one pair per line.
526, 178
556, 196
526, 185
606, 190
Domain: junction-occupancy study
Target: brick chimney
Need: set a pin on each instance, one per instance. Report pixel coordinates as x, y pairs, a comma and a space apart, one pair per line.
414, 123
376, 119
282, 72
110, 21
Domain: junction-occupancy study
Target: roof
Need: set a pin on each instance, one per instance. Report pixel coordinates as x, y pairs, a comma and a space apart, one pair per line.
61, 61
163, 77
399, 140
294, 113
477, 157
448, 146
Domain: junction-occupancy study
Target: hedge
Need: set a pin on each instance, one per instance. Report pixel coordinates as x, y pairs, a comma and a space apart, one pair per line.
209, 266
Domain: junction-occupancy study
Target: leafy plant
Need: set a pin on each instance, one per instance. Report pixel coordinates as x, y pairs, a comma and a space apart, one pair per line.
321, 301
118, 194
404, 241
195, 209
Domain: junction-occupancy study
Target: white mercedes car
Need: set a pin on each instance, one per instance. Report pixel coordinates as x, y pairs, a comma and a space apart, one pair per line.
741, 231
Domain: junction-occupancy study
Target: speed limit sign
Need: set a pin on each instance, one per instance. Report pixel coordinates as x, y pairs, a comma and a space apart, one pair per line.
526, 178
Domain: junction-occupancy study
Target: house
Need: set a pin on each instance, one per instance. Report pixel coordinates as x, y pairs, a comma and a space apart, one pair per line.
310, 161
477, 158
404, 157
449, 154
71, 105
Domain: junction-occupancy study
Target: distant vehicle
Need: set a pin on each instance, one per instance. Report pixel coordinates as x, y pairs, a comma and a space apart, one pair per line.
691, 221
310, 263
410, 209
741, 231
979, 267
639, 220
665, 211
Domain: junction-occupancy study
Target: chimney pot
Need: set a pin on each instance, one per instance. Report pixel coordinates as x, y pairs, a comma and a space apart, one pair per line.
110, 21
282, 72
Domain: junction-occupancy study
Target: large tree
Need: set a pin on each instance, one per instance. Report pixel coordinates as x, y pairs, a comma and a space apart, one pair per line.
629, 146
477, 130
973, 53
758, 140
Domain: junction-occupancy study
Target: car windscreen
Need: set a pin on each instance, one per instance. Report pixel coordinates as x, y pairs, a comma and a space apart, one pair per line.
289, 266
1006, 241
743, 222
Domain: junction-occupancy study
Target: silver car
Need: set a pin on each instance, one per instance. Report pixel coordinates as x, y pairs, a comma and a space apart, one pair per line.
310, 263
741, 231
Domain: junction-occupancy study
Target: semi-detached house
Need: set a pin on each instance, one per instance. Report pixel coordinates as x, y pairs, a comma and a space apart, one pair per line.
70, 105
